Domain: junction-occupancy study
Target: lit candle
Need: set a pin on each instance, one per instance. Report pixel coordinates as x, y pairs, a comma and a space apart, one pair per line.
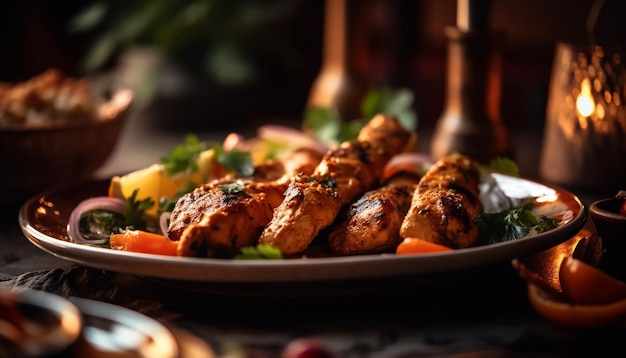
584, 101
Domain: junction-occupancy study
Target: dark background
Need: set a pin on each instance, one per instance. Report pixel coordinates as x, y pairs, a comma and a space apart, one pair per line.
35, 37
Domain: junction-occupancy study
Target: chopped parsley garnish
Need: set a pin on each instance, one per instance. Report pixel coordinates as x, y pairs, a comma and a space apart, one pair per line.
167, 204
231, 188
327, 182
184, 157
99, 224
260, 252
235, 160
135, 211
511, 224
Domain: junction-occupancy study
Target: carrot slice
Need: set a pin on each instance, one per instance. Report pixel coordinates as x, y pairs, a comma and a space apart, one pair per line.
412, 245
143, 241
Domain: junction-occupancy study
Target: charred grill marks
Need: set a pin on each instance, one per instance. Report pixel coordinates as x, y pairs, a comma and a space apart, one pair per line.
355, 167
445, 204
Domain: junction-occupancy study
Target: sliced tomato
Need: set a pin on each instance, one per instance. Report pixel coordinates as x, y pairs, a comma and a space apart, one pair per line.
145, 242
412, 245
588, 285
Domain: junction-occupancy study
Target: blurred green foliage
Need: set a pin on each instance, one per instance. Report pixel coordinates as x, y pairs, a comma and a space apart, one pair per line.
326, 124
227, 41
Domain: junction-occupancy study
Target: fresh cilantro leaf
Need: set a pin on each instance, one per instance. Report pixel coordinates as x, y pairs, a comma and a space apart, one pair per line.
235, 160
390, 101
503, 165
184, 157
326, 124
511, 224
546, 224
231, 188
135, 211
260, 252
327, 182
167, 204
99, 224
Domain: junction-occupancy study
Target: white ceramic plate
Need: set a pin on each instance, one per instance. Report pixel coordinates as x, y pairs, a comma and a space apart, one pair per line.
43, 219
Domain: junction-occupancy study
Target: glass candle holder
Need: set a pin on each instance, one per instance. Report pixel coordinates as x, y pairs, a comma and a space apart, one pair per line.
584, 144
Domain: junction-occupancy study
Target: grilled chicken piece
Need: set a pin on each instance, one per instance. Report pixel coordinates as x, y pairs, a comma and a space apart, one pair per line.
445, 204
372, 223
312, 202
220, 221
219, 218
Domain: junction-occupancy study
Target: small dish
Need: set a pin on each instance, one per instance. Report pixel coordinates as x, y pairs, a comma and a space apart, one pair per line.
111, 330
36, 323
611, 227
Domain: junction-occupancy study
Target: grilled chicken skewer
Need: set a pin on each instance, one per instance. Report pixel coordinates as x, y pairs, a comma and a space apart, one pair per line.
372, 223
445, 204
312, 202
219, 218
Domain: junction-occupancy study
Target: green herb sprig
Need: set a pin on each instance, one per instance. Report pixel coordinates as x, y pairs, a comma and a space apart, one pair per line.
511, 224
326, 124
260, 252
502, 165
135, 211
184, 157
232, 188
99, 224
237, 161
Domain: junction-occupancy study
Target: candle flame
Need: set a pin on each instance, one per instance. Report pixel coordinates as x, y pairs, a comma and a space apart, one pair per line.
584, 102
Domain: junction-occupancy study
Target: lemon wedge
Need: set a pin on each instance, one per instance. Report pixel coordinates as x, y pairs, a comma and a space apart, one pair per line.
155, 183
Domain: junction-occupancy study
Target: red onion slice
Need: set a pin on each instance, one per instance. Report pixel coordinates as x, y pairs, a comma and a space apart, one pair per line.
290, 135
416, 162
164, 222
115, 205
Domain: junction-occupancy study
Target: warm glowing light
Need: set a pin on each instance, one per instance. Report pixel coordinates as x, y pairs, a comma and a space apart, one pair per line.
584, 103
548, 198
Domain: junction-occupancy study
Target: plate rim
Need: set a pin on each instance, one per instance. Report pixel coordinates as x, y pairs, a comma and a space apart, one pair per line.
294, 270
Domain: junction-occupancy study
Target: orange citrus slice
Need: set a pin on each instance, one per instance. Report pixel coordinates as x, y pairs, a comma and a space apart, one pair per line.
576, 315
588, 285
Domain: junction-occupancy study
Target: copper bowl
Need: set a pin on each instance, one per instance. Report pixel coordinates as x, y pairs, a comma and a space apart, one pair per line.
34, 158
611, 227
